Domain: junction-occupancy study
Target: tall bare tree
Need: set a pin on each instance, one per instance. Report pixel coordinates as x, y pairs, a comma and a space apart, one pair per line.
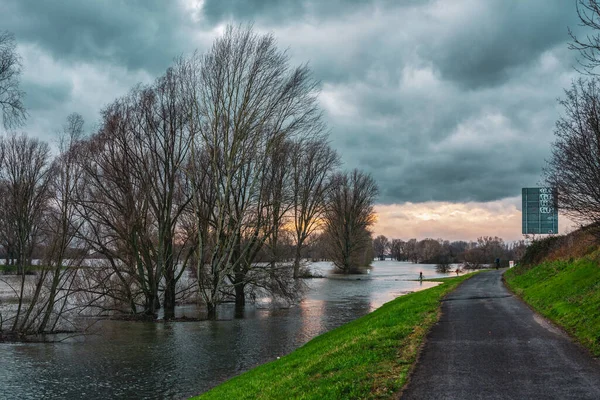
114, 203
11, 96
162, 144
313, 162
25, 176
61, 225
574, 168
381, 244
428, 250
349, 214
277, 189
137, 190
249, 100
397, 249
411, 250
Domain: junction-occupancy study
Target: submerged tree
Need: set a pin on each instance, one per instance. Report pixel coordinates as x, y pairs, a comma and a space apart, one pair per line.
313, 161
163, 144
349, 214
397, 249
25, 178
113, 204
381, 244
249, 101
59, 229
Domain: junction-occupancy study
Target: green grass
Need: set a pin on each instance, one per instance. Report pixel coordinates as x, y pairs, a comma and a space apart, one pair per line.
28, 268
369, 358
566, 292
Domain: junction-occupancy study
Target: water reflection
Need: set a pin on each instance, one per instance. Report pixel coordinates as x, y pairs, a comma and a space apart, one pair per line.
180, 359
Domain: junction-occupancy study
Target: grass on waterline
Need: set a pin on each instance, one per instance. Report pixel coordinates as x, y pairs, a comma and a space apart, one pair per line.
368, 358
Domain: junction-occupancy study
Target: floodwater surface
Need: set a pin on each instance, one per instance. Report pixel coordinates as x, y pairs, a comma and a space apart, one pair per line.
149, 360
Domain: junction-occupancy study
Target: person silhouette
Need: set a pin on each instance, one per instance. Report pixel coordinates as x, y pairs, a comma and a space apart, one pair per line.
421, 275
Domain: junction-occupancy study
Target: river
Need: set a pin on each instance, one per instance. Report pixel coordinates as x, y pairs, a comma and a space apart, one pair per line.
148, 360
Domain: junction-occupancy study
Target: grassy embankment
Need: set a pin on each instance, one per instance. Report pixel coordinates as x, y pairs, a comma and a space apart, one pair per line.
369, 358
564, 286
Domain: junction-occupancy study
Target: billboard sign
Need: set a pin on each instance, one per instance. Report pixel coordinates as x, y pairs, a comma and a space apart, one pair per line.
540, 211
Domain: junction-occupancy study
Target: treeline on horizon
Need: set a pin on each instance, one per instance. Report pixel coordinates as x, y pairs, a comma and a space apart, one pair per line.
471, 254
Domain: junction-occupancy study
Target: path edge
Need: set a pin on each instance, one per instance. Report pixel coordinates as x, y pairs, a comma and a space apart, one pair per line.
554, 324
398, 394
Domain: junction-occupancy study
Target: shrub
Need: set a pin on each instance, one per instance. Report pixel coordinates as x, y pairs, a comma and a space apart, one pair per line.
442, 268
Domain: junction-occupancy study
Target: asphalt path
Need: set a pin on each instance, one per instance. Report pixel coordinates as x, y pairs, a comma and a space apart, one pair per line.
489, 345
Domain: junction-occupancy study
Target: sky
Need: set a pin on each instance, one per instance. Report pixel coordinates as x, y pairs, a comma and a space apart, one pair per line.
450, 105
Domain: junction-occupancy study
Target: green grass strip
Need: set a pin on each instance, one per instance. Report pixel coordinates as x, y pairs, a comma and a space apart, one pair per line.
567, 293
369, 358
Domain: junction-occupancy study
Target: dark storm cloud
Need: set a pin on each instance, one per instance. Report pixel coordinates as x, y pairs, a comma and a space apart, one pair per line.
443, 143
503, 36
138, 34
493, 70
440, 100
46, 96
282, 11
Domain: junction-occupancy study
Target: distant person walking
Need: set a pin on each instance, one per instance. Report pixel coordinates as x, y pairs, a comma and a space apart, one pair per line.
497, 263
456, 271
421, 276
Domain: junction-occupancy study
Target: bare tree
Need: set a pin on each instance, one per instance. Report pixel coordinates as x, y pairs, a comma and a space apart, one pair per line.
381, 244
136, 192
348, 216
7, 235
428, 250
248, 101
113, 202
492, 248
277, 188
397, 249
25, 176
60, 227
11, 97
411, 250
313, 161
442, 267
588, 46
162, 144
574, 167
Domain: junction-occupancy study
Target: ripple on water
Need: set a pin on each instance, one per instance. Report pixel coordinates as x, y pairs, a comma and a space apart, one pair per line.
146, 360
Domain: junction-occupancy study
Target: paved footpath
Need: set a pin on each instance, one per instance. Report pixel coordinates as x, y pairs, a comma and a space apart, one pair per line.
490, 345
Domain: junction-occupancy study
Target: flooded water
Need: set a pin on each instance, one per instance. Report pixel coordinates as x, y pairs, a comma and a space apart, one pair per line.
146, 360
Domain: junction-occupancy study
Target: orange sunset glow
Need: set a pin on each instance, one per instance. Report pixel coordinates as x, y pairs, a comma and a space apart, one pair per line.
454, 221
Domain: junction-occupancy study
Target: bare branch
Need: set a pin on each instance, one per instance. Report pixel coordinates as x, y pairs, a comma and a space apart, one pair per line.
11, 96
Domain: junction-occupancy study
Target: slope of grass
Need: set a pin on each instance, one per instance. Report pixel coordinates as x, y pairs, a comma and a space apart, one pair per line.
566, 292
369, 358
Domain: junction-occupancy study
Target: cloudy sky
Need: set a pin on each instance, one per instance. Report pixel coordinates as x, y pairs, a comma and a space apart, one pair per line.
450, 105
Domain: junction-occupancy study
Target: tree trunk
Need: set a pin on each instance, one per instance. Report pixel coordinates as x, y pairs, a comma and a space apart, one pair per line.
240, 295
297, 263
152, 304
51, 300
169, 301
169, 274
212, 311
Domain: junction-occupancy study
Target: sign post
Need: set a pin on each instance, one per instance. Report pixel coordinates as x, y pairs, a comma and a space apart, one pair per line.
540, 211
